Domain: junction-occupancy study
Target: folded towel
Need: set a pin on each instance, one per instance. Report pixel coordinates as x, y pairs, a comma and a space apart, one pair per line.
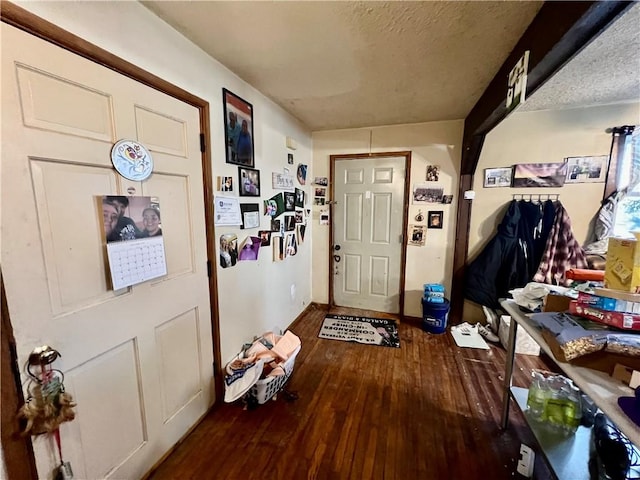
238, 384
286, 345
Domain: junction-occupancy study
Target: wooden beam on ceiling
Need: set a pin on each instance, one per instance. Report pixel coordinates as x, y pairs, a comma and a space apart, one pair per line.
557, 33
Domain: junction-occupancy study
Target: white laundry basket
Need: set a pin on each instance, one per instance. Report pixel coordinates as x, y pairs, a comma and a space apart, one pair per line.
266, 388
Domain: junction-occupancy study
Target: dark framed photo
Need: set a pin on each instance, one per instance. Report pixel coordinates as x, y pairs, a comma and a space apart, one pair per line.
265, 237
238, 129
434, 219
249, 182
289, 201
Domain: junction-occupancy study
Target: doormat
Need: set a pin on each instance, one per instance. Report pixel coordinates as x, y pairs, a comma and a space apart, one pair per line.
370, 331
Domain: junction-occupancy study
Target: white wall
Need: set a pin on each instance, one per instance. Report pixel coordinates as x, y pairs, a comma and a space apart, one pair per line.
253, 296
435, 143
542, 137
3, 469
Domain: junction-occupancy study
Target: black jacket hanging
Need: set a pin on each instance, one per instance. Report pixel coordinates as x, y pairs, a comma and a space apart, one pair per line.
491, 275
512, 256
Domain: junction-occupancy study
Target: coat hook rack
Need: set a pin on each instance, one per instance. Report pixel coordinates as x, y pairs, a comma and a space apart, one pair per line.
536, 197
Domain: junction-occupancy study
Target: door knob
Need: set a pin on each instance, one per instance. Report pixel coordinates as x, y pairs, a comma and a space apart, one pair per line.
336, 248
336, 258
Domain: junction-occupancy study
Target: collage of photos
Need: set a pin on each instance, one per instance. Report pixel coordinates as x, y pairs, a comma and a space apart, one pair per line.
286, 211
320, 196
320, 190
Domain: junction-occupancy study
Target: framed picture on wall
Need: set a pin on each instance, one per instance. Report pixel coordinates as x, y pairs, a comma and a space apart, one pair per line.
238, 129
434, 219
249, 182
425, 193
539, 174
587, 169
497, 177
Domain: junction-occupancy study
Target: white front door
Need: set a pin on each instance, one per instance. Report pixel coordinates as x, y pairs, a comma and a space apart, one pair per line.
367, 232
137, 361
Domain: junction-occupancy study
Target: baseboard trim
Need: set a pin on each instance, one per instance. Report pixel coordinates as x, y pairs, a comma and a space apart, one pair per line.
166, 455
311, 306
415, 321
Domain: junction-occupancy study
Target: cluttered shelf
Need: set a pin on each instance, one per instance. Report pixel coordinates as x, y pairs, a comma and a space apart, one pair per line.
568, 456
600, 387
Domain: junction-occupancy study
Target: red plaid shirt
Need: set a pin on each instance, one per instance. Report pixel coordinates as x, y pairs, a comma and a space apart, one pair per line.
561, 253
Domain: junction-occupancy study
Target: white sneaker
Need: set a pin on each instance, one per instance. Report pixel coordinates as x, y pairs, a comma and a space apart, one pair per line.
464, 328
492, 318
487, 334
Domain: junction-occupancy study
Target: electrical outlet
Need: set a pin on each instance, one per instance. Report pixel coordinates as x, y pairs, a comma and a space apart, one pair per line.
526, 461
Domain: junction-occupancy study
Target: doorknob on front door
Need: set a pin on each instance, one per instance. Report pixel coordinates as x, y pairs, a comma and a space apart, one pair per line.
336, 248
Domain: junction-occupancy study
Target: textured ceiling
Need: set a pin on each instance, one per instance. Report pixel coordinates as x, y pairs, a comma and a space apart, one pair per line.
355, 64
606, 71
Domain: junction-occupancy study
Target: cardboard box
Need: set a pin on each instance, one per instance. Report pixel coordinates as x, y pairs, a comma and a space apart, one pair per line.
626, 321
601, 360
607, 292
524, 343
556, 303
608, 304
626, 375
622, 271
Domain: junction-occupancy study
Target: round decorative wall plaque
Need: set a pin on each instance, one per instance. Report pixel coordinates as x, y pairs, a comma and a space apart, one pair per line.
132, 160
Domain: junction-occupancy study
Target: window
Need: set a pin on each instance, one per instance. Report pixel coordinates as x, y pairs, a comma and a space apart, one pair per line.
627, 215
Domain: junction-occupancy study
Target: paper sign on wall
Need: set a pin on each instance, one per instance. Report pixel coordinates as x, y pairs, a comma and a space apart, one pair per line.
227, 211
517, 82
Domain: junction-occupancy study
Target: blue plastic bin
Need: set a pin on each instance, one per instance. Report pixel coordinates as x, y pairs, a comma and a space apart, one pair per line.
435, 316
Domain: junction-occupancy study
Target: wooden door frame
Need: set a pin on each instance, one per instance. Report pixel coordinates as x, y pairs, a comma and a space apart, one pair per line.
24, 20
405, 213
19, 460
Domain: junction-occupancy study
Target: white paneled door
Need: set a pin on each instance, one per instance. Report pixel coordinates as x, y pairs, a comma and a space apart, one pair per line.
368, 232
137, 361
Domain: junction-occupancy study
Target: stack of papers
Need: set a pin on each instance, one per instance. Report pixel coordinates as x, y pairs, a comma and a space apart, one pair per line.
467, 336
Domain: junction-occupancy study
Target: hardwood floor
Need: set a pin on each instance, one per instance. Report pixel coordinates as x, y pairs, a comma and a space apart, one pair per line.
427, 410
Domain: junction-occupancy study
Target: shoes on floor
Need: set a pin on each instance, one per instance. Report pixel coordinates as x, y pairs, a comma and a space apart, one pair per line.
486, 333
492, 318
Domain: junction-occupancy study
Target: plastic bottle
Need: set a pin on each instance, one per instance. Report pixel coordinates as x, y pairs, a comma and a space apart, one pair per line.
537, 397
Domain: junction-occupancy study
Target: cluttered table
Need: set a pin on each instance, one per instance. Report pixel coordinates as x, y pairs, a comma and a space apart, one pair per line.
600, 387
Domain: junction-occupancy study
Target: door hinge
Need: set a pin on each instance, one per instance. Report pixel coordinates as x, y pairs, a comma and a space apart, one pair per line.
203, 145
209, 268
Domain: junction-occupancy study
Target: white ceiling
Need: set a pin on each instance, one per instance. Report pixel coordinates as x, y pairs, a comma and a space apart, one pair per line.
357, 64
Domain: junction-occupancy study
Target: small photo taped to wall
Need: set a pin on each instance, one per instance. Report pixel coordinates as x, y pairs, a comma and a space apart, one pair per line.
225, 184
